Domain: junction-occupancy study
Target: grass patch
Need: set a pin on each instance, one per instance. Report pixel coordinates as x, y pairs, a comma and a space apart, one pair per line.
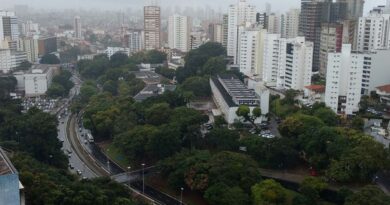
116, 155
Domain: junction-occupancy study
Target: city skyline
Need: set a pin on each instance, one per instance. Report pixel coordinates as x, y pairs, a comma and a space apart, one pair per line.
276, 5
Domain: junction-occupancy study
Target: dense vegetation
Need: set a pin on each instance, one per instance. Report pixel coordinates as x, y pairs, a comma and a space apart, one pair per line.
37, 155
61, 85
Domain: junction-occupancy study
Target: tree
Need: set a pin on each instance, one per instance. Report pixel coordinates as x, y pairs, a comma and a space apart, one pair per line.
118, 59
55, 90
87, 91
223, 139
155, 57
357, 123
311, 188
7, 85
164, 143
49, 59
166, 72
269, 192
298, 124
158, 114
327, 116
244, 112
234, 169
199, 86
222, 194
289, 98
214, 66
368, 195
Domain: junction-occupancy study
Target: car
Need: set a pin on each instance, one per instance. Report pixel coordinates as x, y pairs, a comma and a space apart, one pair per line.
79, 172
69, 155
71, 166
69, 151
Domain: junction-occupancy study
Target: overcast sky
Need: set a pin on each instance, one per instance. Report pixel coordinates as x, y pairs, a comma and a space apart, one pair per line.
277, 5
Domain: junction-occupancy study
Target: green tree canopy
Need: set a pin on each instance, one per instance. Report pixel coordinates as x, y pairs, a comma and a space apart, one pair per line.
368, 195
49, 59
269, 192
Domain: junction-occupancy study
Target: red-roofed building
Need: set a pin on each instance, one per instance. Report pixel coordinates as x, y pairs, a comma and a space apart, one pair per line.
384, 93
313, 94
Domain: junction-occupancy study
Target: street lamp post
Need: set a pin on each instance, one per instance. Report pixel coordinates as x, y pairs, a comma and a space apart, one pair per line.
128, 176
143, 177
181, 195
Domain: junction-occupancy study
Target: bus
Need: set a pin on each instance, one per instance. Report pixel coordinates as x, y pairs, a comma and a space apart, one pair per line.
90, 138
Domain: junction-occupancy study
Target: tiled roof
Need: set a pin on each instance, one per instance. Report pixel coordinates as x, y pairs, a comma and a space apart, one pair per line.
384, 88
316, 88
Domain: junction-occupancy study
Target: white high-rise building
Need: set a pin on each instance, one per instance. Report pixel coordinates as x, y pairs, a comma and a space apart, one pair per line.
136, 41
9, 30
29, 28
240, 15
10, 59
251, 52
291, 24
77, 27
353, 74
287, 63
373, 32
275, 23
179, 29
30, 46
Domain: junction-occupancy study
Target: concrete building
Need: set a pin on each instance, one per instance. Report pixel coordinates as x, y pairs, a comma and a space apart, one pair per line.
10, 59
313, 14
47, 45
251, 52
30, 46
240, 15
136, 41
112, 50
275, 23
29, 28
9, 29
373, 32
225, 30
38, 79
11, 190
216, 32
353, 74
354, 8
384, 94
229, 93
179, 29
153, 90
152, 27
291, 23
262, 20
287, 62
77, 28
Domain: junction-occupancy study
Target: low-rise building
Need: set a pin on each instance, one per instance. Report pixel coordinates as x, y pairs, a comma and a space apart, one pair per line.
384, 94
313, 94
153, 90
112, 50
38, 79
11, 190
229, 93
10, 59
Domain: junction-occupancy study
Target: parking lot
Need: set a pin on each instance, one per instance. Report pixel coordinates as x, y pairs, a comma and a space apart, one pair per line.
44, 104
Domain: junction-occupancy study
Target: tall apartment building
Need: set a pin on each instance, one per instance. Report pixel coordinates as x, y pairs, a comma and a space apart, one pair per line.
313, 14
241, 15
77, 27
373, 32
353, 74
287, 63
333, 36
152, 27
29, 28
30, 46
225, 30
47, 45
291, 23
354, 8
275, 23
179, 29
10, 59
262, 20
216, 32
135, 41
9, 29
251, 52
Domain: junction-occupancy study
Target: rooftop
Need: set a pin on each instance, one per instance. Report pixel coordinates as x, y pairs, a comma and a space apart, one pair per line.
40, 68
148, 77
316, 88
384, 88
6, 166
153, 90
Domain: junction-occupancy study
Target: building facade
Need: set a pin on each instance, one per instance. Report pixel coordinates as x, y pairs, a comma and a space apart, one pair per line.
350, 75
135, 41
152, 27
241, 15
9, 29
373, 32
10, 59
38, 79
77, 28
291, 24
30, 46
47, 45
179, 29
